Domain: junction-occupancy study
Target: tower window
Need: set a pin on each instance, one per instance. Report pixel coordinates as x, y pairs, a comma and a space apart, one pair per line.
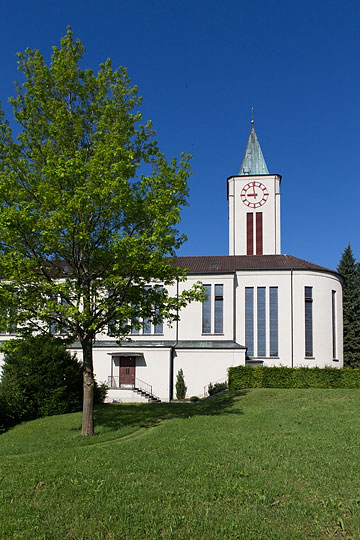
250, 233
259, 233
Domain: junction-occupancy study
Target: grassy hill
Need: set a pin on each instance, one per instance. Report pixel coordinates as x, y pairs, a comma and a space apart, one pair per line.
263, 464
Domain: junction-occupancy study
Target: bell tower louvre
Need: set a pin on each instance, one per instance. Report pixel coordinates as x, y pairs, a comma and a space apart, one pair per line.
254, 205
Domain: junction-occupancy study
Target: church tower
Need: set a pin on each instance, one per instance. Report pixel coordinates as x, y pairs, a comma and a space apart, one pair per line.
254, 205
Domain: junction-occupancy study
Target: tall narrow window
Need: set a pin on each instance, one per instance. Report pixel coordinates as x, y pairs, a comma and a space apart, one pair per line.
206, 311
333, 323
250, 233
134, 330
249, 320
158, 328
219, 309
274, 325
261, 321
147, 320
147, 326
308, 321
259, 233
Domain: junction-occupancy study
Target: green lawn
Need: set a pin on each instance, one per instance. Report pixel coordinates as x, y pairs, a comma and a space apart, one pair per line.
262, 464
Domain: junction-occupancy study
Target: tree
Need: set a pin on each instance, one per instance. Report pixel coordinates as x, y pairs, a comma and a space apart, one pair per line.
180, 385
349, 269
40, 378
89, 207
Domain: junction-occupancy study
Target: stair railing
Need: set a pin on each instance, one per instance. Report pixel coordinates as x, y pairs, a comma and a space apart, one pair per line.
143, 386
206, 387
112, 382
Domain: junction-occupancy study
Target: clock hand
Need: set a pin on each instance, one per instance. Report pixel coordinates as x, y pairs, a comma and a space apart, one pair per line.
253, 194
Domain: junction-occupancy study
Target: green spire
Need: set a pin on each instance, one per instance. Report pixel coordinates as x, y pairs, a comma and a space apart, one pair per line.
253, 161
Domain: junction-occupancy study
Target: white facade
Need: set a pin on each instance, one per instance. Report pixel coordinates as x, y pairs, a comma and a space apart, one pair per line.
263, 308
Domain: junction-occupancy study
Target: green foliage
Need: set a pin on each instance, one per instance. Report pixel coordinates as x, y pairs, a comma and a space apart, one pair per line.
89, 206
217, 387
180, 385
40, 378
6, 419
349, 269
80, 220
193, 399
100, 393
283, 377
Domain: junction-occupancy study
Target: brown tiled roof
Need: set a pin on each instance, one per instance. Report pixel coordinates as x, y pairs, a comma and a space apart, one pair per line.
230, 263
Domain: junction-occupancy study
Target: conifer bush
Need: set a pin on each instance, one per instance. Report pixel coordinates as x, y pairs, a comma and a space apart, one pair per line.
180, 385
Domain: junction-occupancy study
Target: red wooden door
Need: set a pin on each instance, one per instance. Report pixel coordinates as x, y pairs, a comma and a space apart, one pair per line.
127, 370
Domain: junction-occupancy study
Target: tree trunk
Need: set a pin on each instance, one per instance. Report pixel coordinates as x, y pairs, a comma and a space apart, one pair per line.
87, 429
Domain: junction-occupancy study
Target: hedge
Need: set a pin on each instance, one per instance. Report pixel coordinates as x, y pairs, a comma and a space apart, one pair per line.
284, 377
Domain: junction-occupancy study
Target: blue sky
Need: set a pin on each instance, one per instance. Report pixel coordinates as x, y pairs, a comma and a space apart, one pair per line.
200, 66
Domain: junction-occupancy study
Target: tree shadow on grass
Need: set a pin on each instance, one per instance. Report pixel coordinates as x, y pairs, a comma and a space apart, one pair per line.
114, 416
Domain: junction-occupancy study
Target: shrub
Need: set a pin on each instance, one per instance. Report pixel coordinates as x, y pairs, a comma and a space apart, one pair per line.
283, 377
194, 398
100, 393
40, 378
217, 387
180, 385
6, 420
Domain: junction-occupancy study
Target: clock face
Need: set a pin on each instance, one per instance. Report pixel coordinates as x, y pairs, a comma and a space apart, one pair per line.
254, 194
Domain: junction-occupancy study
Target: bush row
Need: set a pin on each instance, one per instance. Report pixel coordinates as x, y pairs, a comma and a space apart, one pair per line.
284, 377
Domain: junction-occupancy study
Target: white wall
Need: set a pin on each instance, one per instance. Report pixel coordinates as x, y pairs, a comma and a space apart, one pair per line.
201, 367
291, 315
323, 285
153, 367
208, 365
280, 279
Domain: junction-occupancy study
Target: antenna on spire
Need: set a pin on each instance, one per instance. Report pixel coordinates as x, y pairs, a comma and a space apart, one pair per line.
252, 116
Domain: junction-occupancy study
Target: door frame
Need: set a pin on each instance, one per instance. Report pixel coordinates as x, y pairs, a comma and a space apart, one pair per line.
127, 379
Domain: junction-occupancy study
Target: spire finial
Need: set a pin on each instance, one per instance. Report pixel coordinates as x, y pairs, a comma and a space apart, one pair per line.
252, 116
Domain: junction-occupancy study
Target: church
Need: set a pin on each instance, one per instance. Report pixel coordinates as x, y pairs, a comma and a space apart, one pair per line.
262, 308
